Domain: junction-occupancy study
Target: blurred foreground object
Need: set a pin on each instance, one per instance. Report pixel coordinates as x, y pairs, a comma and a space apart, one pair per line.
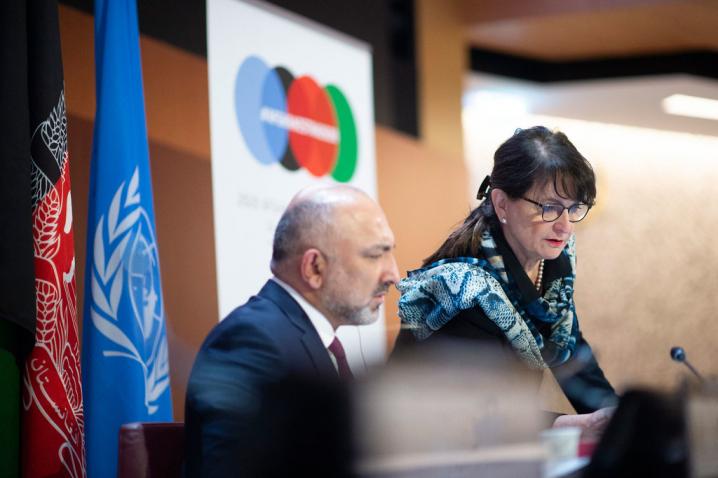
591, 425
301, 427
451, 409
561, 442
646, 437
702, 429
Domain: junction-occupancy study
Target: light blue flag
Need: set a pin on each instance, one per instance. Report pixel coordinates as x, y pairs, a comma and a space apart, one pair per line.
124, 354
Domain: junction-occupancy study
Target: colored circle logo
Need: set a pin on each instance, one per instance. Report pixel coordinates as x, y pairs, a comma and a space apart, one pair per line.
295, 121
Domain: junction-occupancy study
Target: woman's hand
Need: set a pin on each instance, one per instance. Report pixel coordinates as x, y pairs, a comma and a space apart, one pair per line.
592, 424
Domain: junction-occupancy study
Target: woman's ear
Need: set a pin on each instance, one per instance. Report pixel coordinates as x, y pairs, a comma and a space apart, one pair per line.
313, 267
499, 199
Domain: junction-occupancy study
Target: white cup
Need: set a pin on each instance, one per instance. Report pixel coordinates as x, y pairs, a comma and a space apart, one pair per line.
561, 443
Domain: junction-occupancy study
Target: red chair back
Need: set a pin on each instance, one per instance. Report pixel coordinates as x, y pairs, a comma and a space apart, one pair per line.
151, 450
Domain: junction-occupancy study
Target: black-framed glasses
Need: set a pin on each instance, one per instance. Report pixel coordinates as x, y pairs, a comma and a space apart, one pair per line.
551, 212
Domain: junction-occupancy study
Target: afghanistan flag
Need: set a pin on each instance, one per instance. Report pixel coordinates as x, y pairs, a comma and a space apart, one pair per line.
37, 273
125, 360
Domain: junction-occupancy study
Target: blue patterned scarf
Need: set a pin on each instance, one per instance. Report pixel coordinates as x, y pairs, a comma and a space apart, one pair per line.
433, 295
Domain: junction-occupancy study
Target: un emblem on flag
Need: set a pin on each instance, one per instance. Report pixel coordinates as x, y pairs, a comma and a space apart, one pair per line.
127, 306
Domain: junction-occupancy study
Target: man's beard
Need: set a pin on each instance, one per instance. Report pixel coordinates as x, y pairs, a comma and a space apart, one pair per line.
352, 314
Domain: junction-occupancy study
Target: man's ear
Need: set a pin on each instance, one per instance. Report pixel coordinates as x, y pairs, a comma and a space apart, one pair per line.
499, 200
313, 267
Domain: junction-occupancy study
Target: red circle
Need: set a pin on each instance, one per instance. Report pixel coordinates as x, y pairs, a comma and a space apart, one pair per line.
312, 119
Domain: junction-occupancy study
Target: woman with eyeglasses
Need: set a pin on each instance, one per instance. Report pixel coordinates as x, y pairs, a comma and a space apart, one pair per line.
506, 275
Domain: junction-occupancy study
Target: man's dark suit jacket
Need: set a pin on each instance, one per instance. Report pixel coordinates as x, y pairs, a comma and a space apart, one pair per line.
257, 346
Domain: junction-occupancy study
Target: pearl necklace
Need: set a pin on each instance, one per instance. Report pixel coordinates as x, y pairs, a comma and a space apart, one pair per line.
539, 277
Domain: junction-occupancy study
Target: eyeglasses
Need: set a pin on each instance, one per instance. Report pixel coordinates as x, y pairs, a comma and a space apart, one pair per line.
551, 212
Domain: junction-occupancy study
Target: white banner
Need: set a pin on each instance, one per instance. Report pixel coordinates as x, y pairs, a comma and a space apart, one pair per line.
291, 104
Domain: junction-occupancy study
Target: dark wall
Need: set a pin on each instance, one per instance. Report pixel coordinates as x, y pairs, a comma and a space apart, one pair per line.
386, 25
699, 63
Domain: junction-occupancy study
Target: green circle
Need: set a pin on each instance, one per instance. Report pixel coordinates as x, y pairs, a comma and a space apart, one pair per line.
346, 163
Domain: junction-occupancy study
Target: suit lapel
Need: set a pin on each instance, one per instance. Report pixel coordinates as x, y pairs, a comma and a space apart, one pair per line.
299, 319
320, 356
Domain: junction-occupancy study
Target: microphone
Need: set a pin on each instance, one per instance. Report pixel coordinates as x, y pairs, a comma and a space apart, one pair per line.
679, 355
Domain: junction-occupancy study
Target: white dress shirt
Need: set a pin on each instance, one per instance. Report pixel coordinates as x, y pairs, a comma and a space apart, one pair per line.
321, 324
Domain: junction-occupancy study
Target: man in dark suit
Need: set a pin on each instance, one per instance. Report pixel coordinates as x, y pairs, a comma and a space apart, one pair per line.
333, 263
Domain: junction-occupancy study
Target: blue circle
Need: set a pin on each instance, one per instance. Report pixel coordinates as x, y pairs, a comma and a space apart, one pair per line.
258, 92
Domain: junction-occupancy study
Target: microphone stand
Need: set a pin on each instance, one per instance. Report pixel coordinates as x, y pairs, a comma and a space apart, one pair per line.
679, 355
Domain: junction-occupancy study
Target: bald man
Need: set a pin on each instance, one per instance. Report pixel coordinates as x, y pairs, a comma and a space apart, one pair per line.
333, 263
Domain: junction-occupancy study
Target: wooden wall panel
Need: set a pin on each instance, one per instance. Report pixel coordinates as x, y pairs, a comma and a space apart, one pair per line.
424, 194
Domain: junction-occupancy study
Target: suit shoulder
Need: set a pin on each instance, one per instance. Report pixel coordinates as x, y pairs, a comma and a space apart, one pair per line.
258, 316
243, 347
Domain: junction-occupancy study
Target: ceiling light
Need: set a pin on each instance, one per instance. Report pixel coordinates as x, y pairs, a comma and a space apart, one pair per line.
693, 106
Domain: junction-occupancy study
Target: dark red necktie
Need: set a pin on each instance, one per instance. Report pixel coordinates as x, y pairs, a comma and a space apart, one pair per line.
337, 350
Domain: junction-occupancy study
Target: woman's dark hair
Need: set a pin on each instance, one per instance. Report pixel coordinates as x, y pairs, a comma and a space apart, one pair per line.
531, 157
